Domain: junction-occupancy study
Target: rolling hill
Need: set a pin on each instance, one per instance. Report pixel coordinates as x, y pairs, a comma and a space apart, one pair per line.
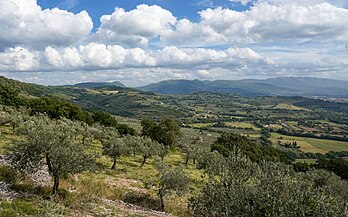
100, 84
285, 86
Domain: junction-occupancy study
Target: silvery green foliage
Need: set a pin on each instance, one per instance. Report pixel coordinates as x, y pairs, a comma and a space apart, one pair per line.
213, 163
193, 149
104, 134
133, 143
52, 142
144, 146
170, 179
85, 132
270, 189
13, 117
114, 146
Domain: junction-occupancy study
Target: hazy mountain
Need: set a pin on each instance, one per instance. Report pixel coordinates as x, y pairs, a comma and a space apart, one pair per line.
100, 84
286, 86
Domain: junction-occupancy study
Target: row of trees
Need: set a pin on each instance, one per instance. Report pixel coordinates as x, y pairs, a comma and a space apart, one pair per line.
65, 147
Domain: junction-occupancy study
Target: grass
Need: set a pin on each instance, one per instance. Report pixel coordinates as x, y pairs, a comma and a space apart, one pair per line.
288, 106
241, 125
18, 207
129, 178
6, 135
134, 123
329, 145
309, 161
200, 125
329, 123
311, 144
252, 135
275, 126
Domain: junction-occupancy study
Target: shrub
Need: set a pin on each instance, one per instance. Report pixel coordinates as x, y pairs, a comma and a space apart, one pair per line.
8, 174
270, 189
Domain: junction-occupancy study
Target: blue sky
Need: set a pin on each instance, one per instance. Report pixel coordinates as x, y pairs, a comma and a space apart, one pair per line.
143, 41
180, 8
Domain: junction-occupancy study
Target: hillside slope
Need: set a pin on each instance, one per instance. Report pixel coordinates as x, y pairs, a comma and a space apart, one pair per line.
295, 86
100, 84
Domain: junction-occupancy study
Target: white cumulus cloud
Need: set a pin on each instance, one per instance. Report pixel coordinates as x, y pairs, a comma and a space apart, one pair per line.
18, 59
97, 56
24, 23
264, 22
136, 27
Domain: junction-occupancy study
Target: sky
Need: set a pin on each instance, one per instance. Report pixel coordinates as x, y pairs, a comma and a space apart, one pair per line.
137, 42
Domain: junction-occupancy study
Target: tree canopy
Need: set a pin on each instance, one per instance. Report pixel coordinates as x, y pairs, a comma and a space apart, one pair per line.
51, 142
167, 131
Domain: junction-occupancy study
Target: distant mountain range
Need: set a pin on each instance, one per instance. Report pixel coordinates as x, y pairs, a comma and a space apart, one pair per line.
282, 86
100, 84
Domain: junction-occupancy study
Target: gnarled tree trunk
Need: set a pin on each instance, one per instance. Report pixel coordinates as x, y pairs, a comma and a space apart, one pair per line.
114, 164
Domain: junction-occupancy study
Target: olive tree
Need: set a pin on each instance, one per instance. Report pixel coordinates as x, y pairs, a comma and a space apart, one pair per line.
148, 148
16, 119
50, 142
85, 132
170, 179
115, 148
194, 149
133, 143
246, 188
104, 134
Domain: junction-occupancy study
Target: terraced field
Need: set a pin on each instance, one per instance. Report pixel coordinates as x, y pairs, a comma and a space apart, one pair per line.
311, 144
241, 125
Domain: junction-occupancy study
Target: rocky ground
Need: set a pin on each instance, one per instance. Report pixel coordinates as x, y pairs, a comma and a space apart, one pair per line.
5, 192
117, 208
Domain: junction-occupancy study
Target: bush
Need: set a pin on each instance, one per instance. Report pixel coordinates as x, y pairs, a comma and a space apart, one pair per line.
270, 189
8, 174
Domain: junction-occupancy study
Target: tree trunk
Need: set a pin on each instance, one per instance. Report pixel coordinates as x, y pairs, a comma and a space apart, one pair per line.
194, 161
144, 160
160, 194
55, 186
187, 160
114, 164
48, 163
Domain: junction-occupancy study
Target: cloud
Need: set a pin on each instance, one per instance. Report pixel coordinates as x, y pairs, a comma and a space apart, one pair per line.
18, 59
24, 23
96, 56
208, 58
134, 28
148, 43
264, 22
